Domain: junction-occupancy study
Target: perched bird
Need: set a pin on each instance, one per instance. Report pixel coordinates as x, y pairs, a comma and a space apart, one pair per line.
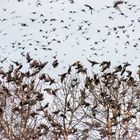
96, 79
105, 65
18, 68
129, 73
1, 112
63, 76
56, 112
33, 114
63, 116
117, 69
35, 72
51, 91
47, 78
69, 70
11, 68
34, 64
138, 72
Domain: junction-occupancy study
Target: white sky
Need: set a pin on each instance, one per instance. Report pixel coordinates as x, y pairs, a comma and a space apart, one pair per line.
75, 47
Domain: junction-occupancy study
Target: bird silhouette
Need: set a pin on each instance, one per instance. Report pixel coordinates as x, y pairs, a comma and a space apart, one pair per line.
116, 5
92, 62
90, 8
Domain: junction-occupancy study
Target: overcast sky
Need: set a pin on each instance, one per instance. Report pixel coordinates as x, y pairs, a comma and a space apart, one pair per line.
70, 31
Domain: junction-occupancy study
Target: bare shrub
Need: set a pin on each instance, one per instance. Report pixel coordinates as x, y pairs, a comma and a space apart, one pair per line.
76, 105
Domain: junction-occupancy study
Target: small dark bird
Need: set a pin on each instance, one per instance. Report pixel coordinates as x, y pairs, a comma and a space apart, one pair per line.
16, 63
90, 8
46, 105
11, 68
71, 1
105, 65
42, 65
116, 5
55, 63
138, 72
29, 59
35, 72
34, 64
42, 76
92, 62
63, 76
123, 70
117, 69
126, 64
56, 112
32, 19
129, 73
1, 61
63, 116
39, 97
19, 67
96, 79
33, 114
49, 91
1, 111
69, 70
130, 81
49, 79
23, 24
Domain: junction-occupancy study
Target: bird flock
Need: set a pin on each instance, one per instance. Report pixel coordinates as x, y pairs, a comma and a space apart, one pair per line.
68, 30
80, 101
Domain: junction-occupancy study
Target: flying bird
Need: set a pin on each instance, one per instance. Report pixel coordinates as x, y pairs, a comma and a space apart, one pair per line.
116, 5
90, 8
28, 58
71, 1
92, 62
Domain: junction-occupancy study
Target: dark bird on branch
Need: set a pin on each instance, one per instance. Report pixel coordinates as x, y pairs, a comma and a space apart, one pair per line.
51, 91
1, 111
105, 65
117, 69
34, 64
63, 116
69, 70
56, 112
47, 78
63, 76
